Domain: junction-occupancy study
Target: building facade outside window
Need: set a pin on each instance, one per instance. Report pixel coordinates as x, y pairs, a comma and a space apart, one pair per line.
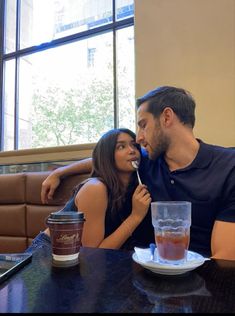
91, 57
66, 71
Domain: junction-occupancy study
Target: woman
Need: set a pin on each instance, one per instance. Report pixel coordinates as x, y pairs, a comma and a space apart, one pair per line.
113, 203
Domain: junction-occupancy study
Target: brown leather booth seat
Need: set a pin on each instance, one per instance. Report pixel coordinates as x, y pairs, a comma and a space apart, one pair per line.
22, 214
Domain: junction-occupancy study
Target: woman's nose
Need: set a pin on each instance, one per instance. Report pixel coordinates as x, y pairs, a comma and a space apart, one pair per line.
132, 148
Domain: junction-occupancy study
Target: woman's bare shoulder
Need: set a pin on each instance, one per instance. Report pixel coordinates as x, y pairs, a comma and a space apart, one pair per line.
92, 193
93, 186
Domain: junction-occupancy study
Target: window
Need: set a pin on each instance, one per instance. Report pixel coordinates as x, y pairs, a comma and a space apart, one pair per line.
66, 71
91, 57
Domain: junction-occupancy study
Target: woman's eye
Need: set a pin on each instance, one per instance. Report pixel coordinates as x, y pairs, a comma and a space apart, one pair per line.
120, 146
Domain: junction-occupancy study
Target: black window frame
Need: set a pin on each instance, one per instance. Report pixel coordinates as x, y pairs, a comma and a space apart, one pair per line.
113, 27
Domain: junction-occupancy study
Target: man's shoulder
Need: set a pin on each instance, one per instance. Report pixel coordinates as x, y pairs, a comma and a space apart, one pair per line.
220, 153
222, 162
222, 149
225, 154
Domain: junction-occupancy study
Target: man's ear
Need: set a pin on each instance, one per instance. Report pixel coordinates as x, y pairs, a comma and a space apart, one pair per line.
167, 116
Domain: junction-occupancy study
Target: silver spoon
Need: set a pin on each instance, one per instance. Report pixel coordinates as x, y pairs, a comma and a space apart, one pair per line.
135, 164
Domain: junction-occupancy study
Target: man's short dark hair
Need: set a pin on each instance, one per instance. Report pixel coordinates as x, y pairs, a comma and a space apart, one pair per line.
178, 99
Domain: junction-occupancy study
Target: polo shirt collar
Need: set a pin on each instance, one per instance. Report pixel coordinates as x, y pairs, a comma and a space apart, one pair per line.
202, 159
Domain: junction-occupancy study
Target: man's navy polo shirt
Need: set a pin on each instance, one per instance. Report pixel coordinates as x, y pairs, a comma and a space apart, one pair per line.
208, 182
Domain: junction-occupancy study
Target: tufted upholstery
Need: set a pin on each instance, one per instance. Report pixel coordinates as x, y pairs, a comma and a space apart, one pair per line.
22, 214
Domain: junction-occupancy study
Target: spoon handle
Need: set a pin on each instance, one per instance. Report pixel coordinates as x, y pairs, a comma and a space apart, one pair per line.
152, 249
138, 176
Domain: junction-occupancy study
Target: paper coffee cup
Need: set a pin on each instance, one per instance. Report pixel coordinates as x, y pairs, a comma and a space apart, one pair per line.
66, 234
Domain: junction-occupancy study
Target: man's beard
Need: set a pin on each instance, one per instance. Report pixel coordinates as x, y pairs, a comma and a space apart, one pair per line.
161, 146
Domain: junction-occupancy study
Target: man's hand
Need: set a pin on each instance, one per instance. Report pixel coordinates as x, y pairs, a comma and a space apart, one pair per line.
49, 186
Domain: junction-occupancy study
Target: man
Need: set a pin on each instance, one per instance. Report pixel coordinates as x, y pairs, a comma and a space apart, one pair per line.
177, 166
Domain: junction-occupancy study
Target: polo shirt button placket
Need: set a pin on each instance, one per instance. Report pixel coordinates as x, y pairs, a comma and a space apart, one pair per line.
172, 181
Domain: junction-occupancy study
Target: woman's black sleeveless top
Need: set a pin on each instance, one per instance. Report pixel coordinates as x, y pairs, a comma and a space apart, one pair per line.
141, 237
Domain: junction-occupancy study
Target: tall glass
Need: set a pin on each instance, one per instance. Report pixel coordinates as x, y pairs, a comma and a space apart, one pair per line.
171, 221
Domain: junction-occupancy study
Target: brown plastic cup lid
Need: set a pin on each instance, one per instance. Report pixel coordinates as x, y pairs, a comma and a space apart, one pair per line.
66, 217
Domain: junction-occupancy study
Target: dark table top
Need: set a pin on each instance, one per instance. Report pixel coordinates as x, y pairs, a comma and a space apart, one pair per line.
109, 281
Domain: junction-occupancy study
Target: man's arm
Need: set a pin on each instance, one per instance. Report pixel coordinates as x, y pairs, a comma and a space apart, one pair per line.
223, 240
50, 184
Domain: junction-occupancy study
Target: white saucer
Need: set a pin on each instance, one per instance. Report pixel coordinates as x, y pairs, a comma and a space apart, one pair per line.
142, 257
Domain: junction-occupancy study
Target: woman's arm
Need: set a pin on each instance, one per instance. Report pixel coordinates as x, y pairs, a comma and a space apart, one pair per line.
50, 184
92, 199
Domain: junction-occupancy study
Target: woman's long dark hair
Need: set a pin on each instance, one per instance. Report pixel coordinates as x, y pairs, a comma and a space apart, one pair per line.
104, 167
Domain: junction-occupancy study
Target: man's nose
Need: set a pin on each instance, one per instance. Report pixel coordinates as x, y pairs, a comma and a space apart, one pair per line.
139, 137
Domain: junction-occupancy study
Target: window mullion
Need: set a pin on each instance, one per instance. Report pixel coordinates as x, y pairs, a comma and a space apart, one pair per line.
16, 127
115, 100
16, 121
2, 10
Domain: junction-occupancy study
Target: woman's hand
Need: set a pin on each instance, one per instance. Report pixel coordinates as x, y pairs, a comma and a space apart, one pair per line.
141, 200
